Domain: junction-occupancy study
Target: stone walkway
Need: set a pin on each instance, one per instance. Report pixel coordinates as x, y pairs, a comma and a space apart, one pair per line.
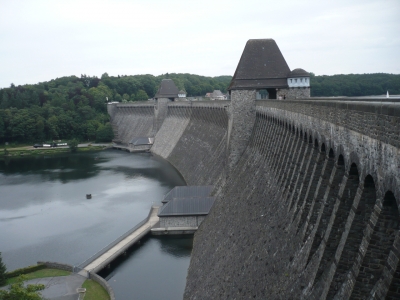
108, 256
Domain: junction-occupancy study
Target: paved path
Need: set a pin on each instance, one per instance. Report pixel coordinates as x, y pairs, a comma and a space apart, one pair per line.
60, 287
110, 255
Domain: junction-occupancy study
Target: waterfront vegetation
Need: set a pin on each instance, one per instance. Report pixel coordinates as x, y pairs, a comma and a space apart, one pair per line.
21, 151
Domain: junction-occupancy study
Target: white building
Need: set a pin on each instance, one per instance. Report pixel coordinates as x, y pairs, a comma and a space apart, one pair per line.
298, 78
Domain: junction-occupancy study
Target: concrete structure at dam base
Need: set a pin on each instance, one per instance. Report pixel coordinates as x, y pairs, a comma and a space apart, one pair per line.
307, 191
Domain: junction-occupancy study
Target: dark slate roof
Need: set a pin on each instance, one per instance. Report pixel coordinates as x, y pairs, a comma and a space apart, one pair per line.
142, 141
188, 192
167, 89
262, 65
187, 206
299, 73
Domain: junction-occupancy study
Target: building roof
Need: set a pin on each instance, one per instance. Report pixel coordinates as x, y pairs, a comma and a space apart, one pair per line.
188, 192
167, 89
299, 73
142, 141
217, 93
261, 65
187, 206
182, 92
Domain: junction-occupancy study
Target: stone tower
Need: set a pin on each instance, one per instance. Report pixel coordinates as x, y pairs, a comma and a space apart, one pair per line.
262, 67
167, 92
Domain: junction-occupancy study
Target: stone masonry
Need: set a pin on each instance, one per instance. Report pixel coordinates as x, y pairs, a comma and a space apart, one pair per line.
308, 205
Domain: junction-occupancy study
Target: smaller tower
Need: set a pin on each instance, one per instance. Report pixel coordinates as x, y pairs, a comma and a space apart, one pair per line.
182, 94
299, 84
167, 92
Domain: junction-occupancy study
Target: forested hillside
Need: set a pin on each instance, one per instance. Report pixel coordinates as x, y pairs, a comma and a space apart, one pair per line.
74, 107
352, 85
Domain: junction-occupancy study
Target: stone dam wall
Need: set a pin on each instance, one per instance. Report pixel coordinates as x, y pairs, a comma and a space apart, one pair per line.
193, 138
310, 208
131, 120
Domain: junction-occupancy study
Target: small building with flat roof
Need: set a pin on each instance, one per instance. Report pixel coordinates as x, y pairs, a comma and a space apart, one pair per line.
185, 207
140, 144
185, 212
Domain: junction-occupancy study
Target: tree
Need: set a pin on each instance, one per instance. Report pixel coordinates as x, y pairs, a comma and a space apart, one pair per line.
73, 145
3, 270
104, 133
19, 291
141, 95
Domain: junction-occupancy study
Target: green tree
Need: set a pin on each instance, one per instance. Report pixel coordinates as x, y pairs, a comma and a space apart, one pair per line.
141, 95
91, 129
52, 125
18, 291
125, 97
104, 133
3, 271
73, 145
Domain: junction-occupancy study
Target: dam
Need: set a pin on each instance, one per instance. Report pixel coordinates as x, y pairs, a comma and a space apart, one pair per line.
306, 189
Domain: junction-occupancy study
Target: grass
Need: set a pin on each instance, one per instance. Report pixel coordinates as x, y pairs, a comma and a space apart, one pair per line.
40, 274
94, 291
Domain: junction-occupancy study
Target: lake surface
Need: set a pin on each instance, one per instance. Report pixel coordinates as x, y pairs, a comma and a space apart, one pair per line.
44, 215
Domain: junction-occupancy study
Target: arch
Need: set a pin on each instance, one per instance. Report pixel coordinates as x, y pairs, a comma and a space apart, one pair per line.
361, 218
394, 288
340, 160
389, 183
331, 153
310, 139
324, 202
379, 247
323, 149
316, 143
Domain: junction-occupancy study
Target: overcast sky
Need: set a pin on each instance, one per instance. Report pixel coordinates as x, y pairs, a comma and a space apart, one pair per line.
42, 40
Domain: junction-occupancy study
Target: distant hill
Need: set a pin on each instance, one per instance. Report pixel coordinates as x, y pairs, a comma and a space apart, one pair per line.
355, 85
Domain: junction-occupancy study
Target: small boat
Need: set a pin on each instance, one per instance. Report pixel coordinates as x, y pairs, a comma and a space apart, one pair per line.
88, 196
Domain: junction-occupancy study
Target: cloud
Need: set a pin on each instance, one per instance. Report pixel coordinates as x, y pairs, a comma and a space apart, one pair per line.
42, 40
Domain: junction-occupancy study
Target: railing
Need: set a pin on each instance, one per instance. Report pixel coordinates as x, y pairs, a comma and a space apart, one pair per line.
111, 245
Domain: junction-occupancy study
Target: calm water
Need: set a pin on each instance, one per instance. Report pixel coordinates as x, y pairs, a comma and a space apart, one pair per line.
44, 215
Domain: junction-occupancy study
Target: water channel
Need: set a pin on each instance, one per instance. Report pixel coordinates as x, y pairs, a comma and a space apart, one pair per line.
44, 215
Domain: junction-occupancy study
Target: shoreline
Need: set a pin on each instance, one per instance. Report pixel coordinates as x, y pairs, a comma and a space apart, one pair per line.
31, 151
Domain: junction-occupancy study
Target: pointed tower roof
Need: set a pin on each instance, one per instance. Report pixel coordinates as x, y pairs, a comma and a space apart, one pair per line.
262, 65
167, 89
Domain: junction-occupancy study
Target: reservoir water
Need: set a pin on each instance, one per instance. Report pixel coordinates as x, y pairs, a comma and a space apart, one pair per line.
44, 215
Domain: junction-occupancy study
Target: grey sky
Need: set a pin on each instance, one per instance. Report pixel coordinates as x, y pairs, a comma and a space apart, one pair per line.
42, 40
